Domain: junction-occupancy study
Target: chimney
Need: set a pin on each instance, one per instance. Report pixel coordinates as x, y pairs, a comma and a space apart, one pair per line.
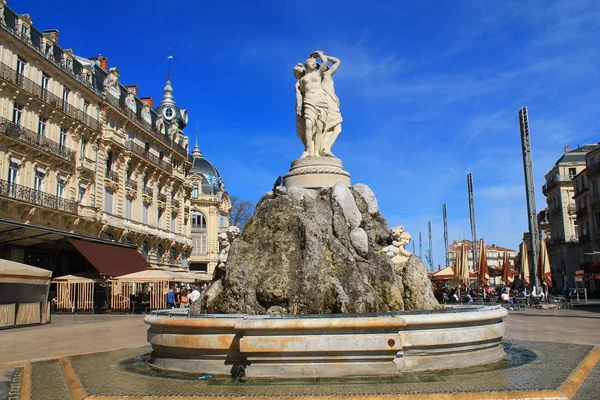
148, 100
54, 33
134, 87
567, 149
102, 61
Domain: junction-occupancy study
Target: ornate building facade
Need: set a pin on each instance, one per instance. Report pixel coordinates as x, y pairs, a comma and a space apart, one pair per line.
82, 154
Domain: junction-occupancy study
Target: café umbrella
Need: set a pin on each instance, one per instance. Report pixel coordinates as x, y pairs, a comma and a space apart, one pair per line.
483, 273
507, 274
543, 265
525, 264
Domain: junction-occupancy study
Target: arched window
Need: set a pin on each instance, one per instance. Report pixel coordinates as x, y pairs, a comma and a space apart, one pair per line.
195, 191
128, 240
198, 221
172, 254
159, 251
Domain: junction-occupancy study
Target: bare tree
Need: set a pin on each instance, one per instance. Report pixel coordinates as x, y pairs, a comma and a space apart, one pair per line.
241, 212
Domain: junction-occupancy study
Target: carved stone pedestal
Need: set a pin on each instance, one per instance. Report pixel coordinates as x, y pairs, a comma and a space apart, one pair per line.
316, 173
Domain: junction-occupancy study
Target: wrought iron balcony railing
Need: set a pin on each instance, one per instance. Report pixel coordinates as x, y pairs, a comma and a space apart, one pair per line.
146, 155
130, 183
147, 191
113, 176
31, 138
29, 86
145, 125
29, 195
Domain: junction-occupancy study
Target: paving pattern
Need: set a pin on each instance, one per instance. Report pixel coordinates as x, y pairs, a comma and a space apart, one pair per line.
109, 375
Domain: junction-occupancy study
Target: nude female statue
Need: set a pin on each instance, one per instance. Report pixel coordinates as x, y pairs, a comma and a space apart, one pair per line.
317, 105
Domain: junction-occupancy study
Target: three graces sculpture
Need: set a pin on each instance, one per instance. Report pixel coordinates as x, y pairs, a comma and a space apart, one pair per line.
318, 116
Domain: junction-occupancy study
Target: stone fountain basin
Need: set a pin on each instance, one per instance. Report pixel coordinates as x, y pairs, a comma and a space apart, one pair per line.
335, 345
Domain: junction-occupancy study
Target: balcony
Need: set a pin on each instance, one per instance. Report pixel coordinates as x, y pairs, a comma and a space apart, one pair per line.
27, 85
131, 184
38, 197
146, 191
85, 164
88, 211
145, 125
146, 155
138, 227
36, 141
113, 176
556, 179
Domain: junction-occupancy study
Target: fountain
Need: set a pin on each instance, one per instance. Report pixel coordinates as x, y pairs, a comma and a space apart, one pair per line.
317, 285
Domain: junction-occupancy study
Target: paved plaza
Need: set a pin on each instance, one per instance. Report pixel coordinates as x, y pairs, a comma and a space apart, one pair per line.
75, 357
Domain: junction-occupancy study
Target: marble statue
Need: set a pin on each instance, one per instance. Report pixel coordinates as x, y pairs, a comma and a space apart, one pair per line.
397, 251
160, 123
318, 116
225, 240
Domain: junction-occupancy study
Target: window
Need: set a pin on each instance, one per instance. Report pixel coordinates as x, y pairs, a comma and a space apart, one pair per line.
200, 267
45, 83
173, 222
108, 200
172, 254
195, 191
109, 160
65, 98
86, 105
17, 113
145, 214
82, 147
81, 194
200, 244
145, 249
38, 185
128, 206
63, 137
159, 251
159, 219
20, 70
13, 173
42, 126
24, 31
128, 171
128, 240
572, 173
198, 221
146, 179
169, 113
60, 187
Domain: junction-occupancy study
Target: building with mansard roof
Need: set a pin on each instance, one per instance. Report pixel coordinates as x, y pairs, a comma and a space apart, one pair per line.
84, 157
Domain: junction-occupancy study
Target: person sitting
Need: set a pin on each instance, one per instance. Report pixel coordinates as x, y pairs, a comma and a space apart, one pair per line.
454, 297
506, 299
469, 298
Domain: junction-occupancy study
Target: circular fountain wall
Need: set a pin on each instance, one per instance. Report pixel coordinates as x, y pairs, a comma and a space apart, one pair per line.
333, 345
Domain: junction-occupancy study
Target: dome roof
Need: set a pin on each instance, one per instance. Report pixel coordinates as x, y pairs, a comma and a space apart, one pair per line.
169, 109
202, 166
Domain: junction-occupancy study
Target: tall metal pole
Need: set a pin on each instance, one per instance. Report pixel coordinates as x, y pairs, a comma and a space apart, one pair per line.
413, 246
534, 234
420, 248
430, 249
472, 216
446, 235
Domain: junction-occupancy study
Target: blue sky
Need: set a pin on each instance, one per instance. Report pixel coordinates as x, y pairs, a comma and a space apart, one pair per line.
429, 91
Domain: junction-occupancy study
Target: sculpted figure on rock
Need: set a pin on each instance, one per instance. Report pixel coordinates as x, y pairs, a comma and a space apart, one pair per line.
397, 251
318, 116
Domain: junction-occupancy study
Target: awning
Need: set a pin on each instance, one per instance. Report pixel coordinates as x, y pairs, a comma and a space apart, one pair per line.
155, 275
14, 272
111, 259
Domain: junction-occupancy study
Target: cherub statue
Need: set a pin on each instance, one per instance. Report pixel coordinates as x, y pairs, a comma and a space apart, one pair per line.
397, 251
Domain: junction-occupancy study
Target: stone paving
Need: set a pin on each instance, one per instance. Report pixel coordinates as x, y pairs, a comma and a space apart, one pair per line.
101, 374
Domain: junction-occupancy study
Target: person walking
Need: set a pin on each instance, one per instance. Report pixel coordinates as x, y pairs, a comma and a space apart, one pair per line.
170, 299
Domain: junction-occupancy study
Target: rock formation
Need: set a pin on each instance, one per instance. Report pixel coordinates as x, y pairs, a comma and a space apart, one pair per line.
312, 252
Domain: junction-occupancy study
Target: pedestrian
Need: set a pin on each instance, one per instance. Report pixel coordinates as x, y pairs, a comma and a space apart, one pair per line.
170, 299
184, 300
506, 298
